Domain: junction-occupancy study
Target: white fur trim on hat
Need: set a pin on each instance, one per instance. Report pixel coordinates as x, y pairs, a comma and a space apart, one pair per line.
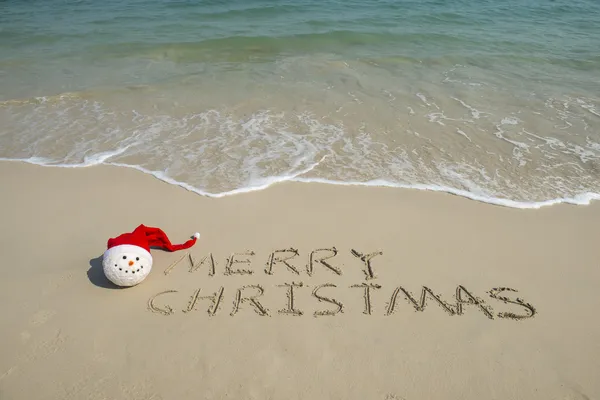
128, 248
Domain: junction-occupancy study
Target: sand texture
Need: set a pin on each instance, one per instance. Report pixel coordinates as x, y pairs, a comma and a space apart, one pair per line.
300, 291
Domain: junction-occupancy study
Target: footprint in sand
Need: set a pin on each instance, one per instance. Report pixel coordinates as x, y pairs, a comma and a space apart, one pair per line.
41, 317
38, 319
393, 397
25, 336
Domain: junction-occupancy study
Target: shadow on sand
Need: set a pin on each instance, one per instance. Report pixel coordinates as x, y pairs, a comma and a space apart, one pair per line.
96, 275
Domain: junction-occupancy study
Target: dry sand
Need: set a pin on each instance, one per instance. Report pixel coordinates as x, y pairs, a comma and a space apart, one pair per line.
66, 333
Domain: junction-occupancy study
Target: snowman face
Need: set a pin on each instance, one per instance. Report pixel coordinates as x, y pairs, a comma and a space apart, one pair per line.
126, 265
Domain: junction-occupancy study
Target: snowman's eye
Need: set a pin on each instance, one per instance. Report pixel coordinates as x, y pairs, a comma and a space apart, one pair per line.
124, 257
137, 259
115, 265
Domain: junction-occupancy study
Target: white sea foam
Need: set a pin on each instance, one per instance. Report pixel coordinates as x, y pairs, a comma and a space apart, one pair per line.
589, 107
100, 158
422, 97
460, 132
509, 121
436, 117
475, 113
579, 199
220, 153
261, 184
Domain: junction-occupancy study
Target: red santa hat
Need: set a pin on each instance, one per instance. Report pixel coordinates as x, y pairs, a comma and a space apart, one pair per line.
145, 237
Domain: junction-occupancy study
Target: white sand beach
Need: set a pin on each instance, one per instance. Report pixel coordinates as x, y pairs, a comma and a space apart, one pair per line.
310, 319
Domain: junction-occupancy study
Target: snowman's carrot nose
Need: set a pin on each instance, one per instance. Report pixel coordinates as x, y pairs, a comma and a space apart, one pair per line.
130, 263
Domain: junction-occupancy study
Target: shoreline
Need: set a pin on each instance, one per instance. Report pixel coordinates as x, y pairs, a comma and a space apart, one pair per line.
298, 291
582, 199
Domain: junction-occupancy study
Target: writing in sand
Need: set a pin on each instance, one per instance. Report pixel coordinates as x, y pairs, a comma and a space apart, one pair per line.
327, 297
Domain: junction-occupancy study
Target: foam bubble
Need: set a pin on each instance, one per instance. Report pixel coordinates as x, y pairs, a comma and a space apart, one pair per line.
509, 121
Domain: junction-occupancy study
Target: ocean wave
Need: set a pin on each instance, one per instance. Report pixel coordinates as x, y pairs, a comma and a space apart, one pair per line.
243, 47
450, 129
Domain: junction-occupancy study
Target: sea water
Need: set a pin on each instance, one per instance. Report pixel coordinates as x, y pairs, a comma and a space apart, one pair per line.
498, 101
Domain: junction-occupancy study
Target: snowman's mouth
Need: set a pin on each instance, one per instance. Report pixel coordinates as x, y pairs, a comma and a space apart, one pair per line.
133, 271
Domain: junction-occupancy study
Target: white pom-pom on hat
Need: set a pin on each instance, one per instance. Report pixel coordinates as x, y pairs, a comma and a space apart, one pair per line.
196, 235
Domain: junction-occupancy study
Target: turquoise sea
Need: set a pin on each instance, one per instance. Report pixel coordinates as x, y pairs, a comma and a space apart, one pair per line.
498, 101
